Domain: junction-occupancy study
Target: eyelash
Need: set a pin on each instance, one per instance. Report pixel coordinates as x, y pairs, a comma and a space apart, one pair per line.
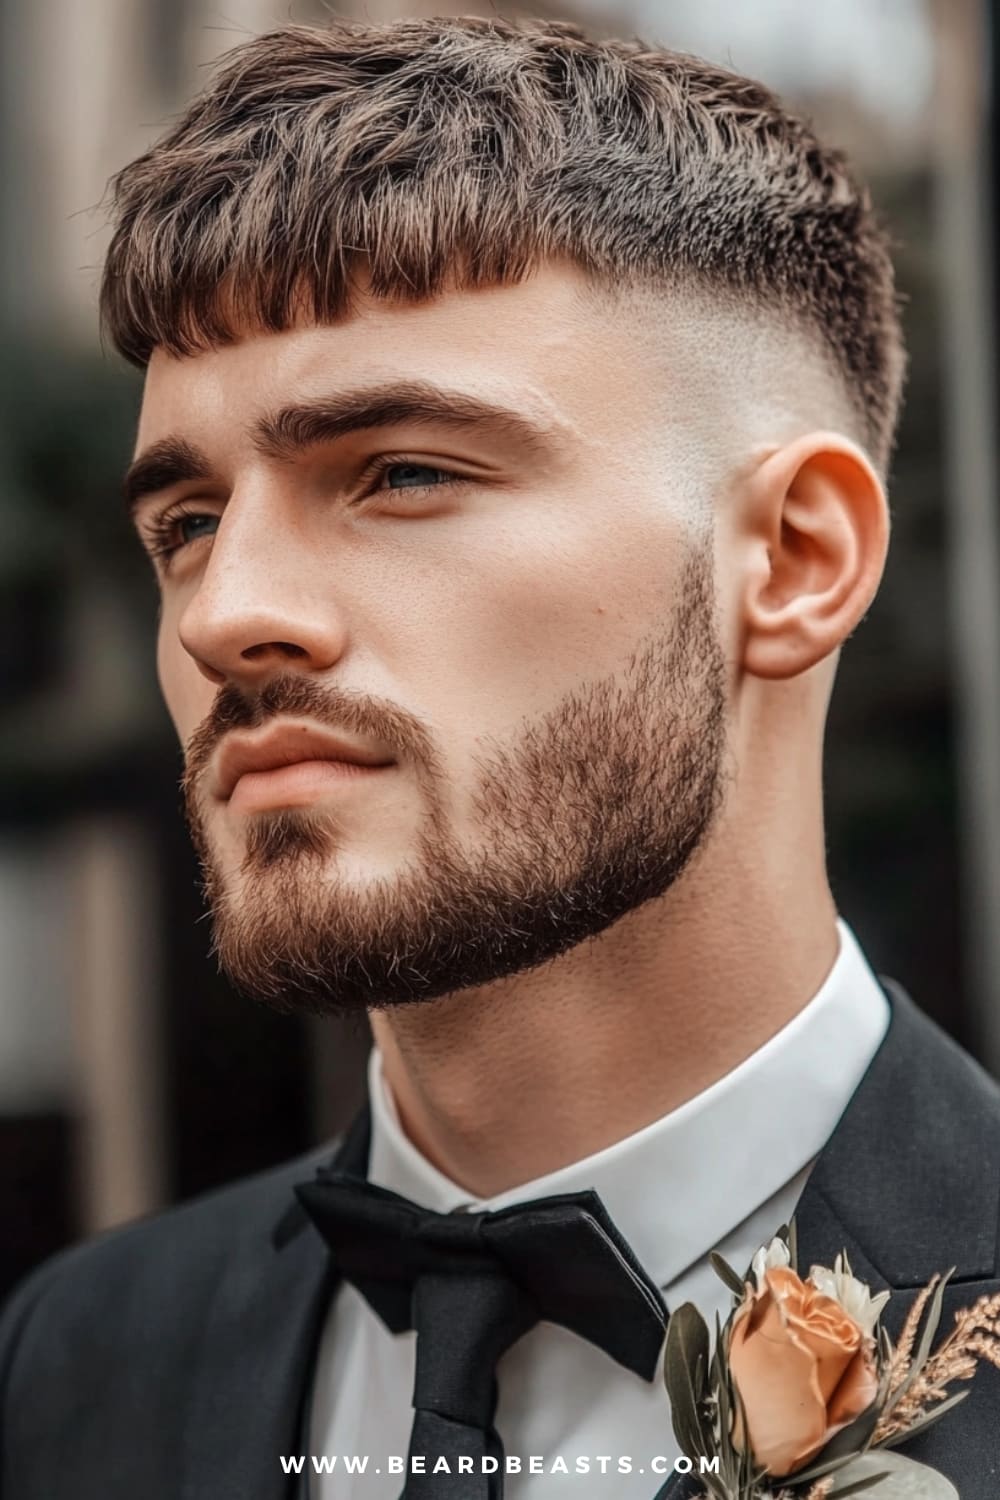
161, 530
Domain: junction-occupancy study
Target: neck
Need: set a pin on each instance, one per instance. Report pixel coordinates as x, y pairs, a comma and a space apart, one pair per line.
500, 1085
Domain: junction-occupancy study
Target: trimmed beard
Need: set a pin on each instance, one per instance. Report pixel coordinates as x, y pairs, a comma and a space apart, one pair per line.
597, 808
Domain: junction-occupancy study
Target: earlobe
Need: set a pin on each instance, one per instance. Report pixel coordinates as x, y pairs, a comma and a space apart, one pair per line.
817, 525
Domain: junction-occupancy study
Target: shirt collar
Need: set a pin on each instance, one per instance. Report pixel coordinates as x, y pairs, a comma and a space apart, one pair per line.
680, 1185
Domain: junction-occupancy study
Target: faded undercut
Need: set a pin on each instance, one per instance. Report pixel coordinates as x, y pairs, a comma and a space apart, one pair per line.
467, 152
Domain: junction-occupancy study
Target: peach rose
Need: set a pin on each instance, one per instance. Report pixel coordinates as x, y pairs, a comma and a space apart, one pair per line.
803, 1368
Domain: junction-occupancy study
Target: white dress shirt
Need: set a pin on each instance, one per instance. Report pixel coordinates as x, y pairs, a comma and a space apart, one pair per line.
723, 1171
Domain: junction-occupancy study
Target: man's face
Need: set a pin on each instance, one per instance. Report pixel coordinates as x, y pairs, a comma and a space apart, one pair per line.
509, 615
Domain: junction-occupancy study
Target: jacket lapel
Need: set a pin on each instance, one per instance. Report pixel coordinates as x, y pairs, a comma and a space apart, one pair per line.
901, 1185
911, 1175
248, 1401
909, 1181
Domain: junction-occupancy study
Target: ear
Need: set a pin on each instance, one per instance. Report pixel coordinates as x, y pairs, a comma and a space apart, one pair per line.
814, 535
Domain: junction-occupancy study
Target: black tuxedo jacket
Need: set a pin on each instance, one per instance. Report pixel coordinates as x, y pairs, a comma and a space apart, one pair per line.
171, 1360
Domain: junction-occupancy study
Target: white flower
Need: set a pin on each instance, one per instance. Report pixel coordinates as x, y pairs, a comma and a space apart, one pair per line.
767, 1258
854, 1297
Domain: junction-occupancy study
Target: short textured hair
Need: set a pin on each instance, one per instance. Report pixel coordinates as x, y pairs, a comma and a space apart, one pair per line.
466, 152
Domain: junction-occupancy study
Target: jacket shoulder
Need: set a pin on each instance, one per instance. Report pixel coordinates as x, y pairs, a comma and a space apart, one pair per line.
128, 1277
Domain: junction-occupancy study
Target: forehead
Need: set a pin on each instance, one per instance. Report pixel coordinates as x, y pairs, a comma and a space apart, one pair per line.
551, 346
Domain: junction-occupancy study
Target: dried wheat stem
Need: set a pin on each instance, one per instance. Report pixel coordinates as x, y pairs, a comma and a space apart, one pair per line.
974, 1336
900, 1362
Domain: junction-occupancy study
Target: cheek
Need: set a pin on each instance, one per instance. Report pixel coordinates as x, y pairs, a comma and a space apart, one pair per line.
552, 605
187, 694
539, 606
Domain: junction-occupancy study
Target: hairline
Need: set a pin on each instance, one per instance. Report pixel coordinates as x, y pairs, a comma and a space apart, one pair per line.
769, 321
769, 338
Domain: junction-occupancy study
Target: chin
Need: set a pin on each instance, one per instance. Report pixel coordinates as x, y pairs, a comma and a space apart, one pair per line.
283, 837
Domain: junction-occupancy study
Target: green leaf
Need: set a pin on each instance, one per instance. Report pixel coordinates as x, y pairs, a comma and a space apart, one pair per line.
931, 1319
923, 1422
828, 1466
857, 1485
747, 1463
716, 1485
793, 1244
685, 1372
725, 1273
893, 1477
725, 1419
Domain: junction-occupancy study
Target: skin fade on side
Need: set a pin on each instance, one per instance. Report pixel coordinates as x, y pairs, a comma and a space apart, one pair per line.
594, 632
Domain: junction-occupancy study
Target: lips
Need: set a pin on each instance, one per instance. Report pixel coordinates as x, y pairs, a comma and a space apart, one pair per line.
285, 745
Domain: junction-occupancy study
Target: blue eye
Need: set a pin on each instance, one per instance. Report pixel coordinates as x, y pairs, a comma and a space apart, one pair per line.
414, 476
191, 527
176, 528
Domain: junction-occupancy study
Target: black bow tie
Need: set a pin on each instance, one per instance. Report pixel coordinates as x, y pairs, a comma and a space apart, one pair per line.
472, 1284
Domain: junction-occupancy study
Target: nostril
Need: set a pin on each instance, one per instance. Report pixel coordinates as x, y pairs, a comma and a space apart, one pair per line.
284, 648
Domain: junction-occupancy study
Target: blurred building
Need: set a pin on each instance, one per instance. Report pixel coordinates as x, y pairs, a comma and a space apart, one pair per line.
129, 1075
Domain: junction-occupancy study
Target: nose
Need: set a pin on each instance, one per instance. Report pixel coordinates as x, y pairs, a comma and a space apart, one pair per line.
256, 609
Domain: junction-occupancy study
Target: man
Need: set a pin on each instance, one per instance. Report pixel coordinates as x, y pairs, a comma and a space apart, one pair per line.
517, 416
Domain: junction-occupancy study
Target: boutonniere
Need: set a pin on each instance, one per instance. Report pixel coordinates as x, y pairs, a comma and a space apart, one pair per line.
805, 1394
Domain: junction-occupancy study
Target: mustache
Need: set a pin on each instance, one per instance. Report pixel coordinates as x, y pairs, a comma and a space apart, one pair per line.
295, 696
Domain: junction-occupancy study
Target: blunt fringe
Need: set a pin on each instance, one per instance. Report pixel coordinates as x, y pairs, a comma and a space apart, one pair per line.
467, 151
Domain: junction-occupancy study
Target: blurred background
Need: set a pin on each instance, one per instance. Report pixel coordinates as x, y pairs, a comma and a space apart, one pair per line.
129, 1075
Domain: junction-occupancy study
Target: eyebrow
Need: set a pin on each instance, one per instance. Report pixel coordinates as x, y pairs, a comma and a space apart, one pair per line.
323, 419
170, 461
